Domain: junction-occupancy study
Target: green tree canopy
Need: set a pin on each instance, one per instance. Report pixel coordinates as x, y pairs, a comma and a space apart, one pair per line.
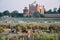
37, 14
59, 10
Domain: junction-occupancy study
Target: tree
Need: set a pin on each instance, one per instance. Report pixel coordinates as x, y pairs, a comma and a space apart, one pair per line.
49, 11
58, 10
13, 13
1, 14
55, 10
6, 12
16, 14
37, 14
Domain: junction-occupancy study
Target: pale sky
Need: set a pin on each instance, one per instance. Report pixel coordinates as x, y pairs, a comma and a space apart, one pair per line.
19, 5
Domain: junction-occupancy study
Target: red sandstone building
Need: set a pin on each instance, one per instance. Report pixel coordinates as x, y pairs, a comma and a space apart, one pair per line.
33, 8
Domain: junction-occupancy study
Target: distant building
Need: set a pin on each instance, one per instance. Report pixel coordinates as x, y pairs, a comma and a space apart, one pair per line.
26, 12
34, 7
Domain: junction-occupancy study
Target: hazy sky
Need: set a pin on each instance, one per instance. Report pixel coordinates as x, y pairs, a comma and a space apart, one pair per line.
20, 4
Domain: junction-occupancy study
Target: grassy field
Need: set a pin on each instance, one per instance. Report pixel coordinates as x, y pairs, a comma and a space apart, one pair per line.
31, 19
48, 36
44, 36
39, 19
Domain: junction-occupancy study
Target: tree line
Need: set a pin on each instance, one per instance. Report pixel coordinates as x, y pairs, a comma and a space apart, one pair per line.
12, 14
15, 13
55, 11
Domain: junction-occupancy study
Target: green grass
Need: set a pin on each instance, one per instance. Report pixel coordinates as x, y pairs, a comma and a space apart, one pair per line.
2, 37
35, 19
49, 36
